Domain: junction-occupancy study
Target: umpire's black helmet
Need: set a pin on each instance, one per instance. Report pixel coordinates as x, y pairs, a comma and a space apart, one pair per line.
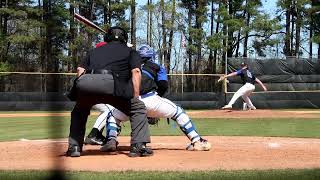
116, 34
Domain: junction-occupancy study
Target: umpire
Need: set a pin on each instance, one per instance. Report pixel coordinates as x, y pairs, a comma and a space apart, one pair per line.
111, 75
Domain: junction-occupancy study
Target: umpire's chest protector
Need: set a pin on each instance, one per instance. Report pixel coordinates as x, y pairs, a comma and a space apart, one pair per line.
105, 84
108, 72
95, 84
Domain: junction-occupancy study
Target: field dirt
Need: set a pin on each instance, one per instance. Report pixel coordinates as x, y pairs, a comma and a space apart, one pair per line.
228, 153
260, 113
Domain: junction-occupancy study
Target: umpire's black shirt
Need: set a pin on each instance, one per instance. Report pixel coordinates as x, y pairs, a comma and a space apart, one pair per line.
114, 56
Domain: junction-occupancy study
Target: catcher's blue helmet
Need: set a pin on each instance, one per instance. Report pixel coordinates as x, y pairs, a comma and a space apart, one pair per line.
146, 52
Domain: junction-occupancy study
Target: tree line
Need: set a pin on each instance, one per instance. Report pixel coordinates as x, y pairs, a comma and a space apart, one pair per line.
43, 36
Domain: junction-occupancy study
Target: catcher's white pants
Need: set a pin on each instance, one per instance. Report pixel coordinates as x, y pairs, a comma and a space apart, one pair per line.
156, 107
245, 91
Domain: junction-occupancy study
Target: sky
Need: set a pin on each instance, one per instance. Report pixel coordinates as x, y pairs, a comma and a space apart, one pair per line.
270, 6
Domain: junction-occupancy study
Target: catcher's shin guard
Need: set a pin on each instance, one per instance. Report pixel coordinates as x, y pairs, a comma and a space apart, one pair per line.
186, 125
113, 129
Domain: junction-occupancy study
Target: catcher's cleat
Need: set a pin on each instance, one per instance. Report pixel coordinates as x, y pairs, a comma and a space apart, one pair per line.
227, 107
73, 151
140, 150
200, 145
110, 146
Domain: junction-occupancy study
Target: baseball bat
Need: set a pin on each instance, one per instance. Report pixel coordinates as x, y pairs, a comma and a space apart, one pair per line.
91, 24
88, 22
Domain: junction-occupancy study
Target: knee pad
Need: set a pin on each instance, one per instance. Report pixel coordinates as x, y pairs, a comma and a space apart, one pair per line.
180, 116
178, 113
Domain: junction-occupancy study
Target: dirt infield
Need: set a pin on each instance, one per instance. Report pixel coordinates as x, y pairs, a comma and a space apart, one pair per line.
261, 113
228, 153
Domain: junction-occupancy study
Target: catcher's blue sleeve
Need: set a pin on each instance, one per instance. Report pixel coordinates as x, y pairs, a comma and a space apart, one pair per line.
162, 74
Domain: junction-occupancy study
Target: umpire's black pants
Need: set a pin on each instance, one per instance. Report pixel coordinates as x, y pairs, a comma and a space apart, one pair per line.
134, 108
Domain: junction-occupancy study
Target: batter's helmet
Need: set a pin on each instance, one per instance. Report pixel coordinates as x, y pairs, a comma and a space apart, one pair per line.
116, 34
146, 52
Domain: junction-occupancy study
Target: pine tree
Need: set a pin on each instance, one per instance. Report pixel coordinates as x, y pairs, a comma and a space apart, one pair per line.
133, 20
315, 14
171, 32
19, 39
55, 18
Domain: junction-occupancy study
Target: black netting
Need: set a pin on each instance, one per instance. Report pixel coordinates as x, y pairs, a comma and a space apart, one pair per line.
298, 81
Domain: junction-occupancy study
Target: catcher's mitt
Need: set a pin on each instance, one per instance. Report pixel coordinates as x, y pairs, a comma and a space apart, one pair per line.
153, 121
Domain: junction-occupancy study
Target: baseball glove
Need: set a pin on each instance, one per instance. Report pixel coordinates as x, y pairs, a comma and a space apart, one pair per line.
153, 121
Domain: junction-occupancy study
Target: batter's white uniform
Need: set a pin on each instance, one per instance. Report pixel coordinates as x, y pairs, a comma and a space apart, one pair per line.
104, 109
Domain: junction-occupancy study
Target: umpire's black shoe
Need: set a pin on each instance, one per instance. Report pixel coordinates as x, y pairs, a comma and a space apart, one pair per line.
140, 150
110, 146
73, 151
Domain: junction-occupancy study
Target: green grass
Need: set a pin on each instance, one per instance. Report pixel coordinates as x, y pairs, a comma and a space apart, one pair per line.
58, 127
292, 174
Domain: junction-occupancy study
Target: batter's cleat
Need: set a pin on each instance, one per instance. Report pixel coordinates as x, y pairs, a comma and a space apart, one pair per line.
110, 146
227, 107
140, 150
73, 151
94, 140
200, 145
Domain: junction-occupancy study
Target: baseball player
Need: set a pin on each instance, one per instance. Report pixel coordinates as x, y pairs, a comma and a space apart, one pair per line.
110, 74
248, 80
95, 136
154, 85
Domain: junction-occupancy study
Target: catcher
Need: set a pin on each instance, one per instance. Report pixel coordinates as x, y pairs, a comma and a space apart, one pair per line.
154, 85
248, 80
